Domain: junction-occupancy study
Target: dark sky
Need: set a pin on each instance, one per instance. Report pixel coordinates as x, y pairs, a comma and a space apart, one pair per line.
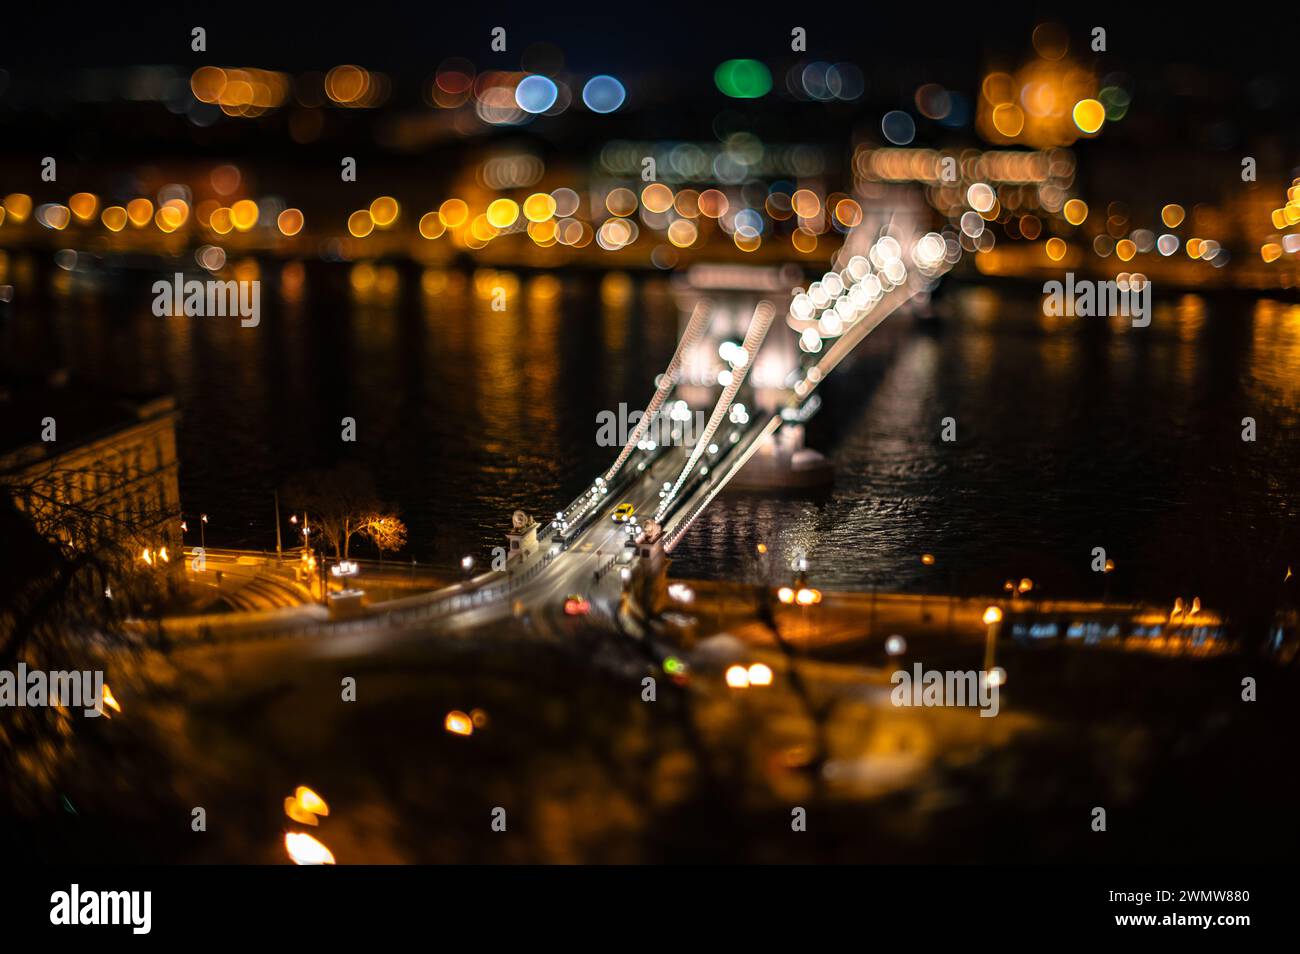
628, 35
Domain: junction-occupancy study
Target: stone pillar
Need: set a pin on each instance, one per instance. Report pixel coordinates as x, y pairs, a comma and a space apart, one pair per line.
649, 584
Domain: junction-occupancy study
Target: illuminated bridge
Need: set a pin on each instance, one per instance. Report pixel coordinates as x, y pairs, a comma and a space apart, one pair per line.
748, 364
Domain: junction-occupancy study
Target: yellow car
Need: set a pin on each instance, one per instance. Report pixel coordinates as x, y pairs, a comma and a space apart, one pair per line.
623, 512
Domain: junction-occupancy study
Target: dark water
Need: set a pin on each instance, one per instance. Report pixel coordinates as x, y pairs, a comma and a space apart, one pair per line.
1070, 434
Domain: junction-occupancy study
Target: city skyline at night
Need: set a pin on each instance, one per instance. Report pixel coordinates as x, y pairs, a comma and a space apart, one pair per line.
521, 437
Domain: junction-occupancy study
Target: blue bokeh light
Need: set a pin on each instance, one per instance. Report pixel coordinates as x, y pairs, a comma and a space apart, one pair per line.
898, 127
536, 94
603, 94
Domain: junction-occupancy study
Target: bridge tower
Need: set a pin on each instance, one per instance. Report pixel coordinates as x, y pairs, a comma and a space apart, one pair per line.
648, 588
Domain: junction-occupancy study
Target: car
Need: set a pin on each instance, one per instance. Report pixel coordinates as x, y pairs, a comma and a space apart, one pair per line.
623, 512
575, 605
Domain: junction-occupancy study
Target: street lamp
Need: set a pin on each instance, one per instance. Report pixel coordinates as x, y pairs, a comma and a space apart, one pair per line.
320, 571
467, 565
805, 597
993, 620
1019, 587
203, 518
927, 559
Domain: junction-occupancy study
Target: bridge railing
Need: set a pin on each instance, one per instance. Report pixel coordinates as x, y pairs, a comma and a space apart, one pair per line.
759, 324
603, 570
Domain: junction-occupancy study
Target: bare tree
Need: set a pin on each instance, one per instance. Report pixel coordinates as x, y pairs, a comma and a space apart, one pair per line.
341, 502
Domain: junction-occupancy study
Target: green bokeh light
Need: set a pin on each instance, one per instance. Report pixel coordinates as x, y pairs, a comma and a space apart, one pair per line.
743, 79
1116, 100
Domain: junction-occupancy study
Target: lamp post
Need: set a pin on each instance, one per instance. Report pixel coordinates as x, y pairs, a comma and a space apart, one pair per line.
927, 559
1025, 587
993, 620
804, 597
279, 549
1019, 587
203, 522
305, 531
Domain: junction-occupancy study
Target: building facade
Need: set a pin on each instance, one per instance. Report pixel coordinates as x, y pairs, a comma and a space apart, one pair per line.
85, 465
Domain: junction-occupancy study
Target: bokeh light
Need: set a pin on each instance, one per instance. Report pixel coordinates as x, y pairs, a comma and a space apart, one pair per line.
537, 94
603, 94
743, 79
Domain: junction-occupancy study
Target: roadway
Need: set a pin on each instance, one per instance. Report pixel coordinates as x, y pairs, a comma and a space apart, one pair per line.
600, 540
571, 569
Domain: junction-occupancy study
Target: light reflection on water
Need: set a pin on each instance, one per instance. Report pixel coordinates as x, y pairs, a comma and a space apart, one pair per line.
1072, 434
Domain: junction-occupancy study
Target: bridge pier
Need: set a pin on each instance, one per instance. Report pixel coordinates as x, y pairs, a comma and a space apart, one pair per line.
522, 537
785, 463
